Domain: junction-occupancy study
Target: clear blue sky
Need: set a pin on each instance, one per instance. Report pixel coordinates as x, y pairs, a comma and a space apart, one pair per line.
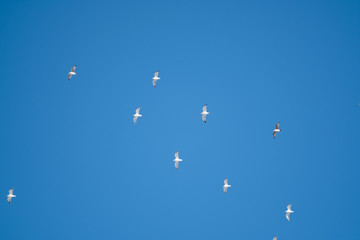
82, 170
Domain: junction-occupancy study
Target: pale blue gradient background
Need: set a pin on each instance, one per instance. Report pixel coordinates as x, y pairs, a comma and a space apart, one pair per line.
82, 170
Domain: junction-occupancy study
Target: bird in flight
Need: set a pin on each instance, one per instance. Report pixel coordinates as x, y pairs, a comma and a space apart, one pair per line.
226, 185
72, 72
276, 130
10, 196
177, 160
204, 113
136, 115
288, 212
155, 78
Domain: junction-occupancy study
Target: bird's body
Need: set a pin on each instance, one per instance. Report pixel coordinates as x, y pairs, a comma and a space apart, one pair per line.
177, 160
276, 130
204, 113
226, 185
136, 115
288, 212
72, 72
10, 196
155, 78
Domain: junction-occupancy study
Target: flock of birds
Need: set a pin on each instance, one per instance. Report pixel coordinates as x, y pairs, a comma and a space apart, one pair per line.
204, 113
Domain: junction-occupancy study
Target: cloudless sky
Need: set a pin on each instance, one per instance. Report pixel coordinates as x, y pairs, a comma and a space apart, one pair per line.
82, 170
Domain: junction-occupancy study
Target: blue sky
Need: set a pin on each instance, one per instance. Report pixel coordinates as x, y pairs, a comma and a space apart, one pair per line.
82, 170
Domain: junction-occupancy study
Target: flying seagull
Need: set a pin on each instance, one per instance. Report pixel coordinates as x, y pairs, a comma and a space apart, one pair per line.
155, 78
204, 113
177, 160
136, 115
226, 185
72, 72
10, 196
288, 211
276, 130
275, 238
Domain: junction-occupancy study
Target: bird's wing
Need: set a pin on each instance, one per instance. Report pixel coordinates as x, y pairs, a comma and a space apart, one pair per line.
204, 108
204, 118
176, 164
73, 68
156, 74
135, 118
177, 155
11, 191
289, 207
274, 133
69, 76
9, 199
137, 110
277, 125
225, 190
226, 181
288, 216
275, 238
154, 82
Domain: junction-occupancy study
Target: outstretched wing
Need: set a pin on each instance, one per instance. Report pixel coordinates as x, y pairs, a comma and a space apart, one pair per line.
226, 181
274, 134
204, 118
177, 164
177, 155
73, 68
135, 118
137, 110
69, 76
9, 199
289, 207
277, 125
204, 108
288, 216
154, 82
275, 238
11, 191
156, 74
225, 189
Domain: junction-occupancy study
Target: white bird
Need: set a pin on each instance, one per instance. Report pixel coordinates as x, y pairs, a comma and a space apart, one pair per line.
204, 113
10, 196
155, 78
72, 72
177, 160
275, 238
276, 130
136, 115
226, 185
288, 211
